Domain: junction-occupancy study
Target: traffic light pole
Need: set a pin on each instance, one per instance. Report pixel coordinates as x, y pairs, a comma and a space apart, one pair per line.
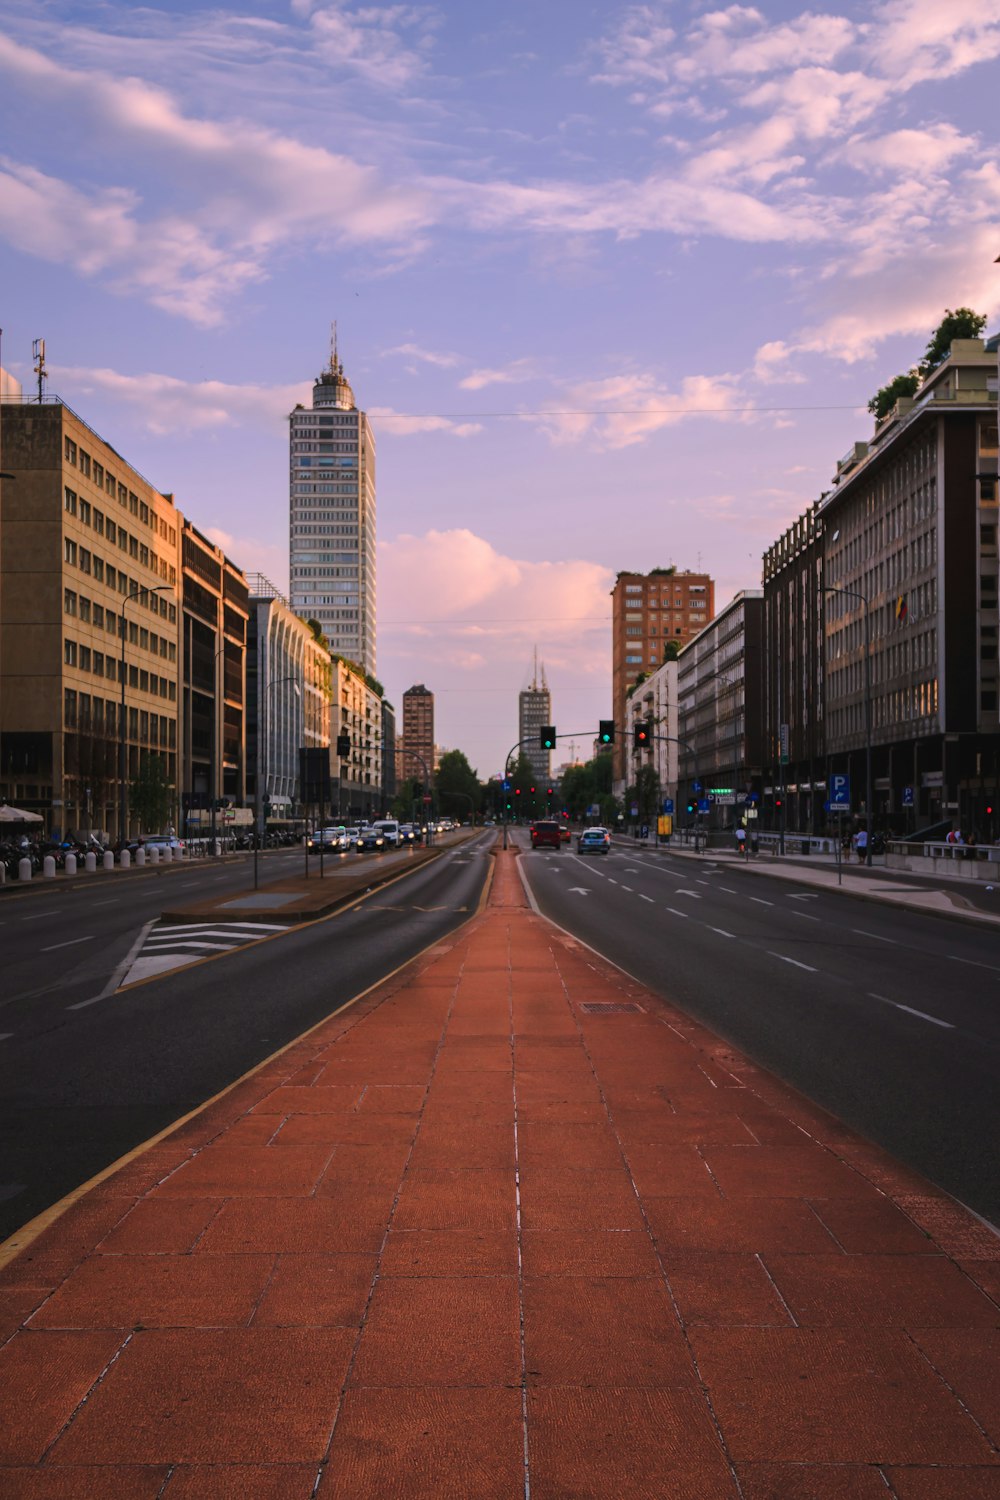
427, 783
672, 739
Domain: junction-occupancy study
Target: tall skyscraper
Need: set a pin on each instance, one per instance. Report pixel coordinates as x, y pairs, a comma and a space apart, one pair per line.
534, 709
332, 516
418, 734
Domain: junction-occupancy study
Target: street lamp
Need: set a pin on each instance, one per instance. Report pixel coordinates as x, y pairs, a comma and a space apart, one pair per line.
869, 810
160, 588
262, 758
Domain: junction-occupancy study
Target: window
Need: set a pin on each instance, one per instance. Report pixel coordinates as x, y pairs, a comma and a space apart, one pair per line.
69, 502
69, 653
99, 521
98, 663
69, 602
99, 569
84, 658
84, 609
84, 560
98, 474
133, 503
69, 708
109, 485
84, 463
69, 550
70, 451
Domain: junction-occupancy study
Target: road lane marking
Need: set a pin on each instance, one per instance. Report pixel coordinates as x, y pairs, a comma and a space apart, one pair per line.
721, 931
646, 898
760, 901
936, 1020
693, 894
71, 944
802, 896
955, 959
629, 889
860, 932
805, 915
786, 960
729, 891
38, 915
677, 913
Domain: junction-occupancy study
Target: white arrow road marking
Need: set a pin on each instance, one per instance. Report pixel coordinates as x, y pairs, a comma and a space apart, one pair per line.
578, 890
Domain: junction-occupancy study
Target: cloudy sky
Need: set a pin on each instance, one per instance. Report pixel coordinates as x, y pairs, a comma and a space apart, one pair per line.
615, 281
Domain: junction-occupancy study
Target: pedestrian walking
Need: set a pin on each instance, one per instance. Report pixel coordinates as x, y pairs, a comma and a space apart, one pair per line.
741, 839
861, 845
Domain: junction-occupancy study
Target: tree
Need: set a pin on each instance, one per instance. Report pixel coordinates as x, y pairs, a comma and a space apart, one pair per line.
151, 794
671, 650
886, 397
963, 323
457, 785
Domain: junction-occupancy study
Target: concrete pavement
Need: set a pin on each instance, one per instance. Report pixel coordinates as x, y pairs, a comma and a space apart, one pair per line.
508, 1224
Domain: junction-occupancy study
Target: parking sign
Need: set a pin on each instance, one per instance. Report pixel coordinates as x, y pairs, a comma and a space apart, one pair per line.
840, 791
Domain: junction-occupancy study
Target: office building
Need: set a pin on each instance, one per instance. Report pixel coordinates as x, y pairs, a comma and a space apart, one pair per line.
89, 651
652, 614
534, 711
332, 517
415, 757
356, 711
720, 712
214, 632
653, 702
289, 698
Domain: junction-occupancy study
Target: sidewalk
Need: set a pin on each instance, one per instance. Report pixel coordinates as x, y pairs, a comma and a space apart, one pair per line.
508, 1216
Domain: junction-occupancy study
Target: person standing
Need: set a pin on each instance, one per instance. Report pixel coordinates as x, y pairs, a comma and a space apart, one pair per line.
741, 839
861, 844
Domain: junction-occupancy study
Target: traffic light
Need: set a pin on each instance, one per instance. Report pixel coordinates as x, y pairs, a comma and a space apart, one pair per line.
418, 789
606, 732
550, 791
517, 791
640, 735
548, 737
690, 806
777, 803
343, 746
532, 791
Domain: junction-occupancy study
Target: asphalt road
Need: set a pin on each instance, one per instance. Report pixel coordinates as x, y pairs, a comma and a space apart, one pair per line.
81, 1086
888, 1018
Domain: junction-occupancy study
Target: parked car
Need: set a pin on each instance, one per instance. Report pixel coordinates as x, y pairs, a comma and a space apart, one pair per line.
594, 841
545, 835
161, 841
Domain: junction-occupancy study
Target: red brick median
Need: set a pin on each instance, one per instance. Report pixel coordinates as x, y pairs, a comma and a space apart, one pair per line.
510, 1217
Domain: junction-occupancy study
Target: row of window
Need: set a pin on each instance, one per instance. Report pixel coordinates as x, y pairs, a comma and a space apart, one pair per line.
93, 613
105, 526
103, 664
102, 716
104, 479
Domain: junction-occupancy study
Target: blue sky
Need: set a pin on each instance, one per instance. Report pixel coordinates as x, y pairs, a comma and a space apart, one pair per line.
615, 282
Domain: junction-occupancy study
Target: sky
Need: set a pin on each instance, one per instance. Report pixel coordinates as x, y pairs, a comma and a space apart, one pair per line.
614, 282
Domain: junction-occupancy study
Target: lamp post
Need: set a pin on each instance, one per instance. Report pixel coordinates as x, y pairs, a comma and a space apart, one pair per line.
160, 588
262, 760
857, 594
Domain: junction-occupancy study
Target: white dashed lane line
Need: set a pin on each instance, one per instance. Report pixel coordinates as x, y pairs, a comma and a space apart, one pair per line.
728, 890
71, 944
922, 1014
693, 894
721, 931
673, 910
647, 898
786, 960
760, 901
974, 962
806, 915
877, 936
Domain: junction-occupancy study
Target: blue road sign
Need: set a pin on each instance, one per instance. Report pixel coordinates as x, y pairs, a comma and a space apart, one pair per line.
907, 796
696, 786
668, 804
703, 804
840, 791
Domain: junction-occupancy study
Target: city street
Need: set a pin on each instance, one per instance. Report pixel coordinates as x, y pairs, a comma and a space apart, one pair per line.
86, 1075
888, 1018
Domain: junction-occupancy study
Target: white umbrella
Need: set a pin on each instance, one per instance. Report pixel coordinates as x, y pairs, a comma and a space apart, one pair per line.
15, 815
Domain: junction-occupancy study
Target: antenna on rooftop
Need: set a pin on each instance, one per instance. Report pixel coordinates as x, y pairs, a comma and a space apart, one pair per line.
333, 346
38, 355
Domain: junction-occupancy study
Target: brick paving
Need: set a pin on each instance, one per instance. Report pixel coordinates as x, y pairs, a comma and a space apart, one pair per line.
471, 1239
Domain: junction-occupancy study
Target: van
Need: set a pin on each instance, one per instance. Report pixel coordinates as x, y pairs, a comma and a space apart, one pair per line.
389, 829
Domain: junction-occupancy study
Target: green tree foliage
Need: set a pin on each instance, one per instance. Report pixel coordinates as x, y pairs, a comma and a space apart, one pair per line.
886, 397
583, 786
963, 323
457, 786
151, 794
671, 650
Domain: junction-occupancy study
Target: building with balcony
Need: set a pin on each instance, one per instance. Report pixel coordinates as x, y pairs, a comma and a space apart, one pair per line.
654, 702
356, 711
214, 631
90, 640
649, 613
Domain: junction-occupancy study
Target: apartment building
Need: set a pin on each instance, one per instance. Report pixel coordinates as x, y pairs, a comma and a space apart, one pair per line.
654, 702
719, 682
650, 612
90, 646
415, 758
356, 711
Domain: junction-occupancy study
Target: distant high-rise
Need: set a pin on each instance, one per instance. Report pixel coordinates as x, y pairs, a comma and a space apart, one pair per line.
418, 735
649, 612
534, 709
332, 516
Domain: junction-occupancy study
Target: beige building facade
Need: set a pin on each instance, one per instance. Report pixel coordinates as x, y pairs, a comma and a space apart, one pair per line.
89, 621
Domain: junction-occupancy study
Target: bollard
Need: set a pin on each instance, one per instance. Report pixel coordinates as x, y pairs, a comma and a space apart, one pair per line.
125, 859
217, 848
24, 869
70, 865
108, 861
48, 868
154, 855
90, 863
168, 854
140, 858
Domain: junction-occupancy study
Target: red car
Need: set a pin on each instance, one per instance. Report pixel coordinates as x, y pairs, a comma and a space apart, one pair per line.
545, 835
